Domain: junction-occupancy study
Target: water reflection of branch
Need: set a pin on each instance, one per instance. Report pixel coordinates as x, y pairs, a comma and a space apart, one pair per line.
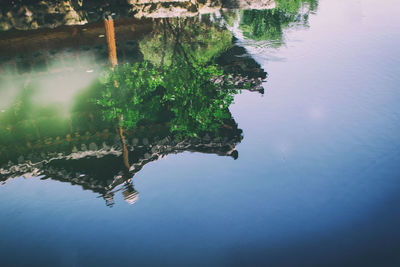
178, 43
164, 52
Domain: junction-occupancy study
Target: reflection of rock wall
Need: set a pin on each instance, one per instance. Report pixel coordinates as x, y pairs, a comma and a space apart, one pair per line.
248, 4
37, 14
173, 8
28, 15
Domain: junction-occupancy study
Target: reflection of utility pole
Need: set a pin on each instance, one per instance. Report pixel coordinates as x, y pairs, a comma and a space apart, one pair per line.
110, 34
125, 149
112, 56
123, 140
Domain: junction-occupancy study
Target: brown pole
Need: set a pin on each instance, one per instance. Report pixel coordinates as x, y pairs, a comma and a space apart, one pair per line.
125, 149
110, 35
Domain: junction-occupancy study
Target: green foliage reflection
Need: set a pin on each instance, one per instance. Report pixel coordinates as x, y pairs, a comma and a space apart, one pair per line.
182, 94
174, 83
203, 41
269, 24
129, 94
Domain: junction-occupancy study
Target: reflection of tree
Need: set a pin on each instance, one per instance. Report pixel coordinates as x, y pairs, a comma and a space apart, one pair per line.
294, 6
130, 94
202, 41
197, 103
174, 83
269, 24
181, 94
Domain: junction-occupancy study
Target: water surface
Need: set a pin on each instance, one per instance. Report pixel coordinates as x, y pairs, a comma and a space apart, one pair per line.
299, 167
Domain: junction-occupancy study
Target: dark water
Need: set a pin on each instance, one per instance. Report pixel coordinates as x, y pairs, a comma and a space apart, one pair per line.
300, 167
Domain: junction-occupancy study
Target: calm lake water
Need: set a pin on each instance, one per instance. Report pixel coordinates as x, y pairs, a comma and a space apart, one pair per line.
301, 167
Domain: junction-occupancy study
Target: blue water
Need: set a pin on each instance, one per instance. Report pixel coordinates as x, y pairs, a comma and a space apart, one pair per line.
317, 180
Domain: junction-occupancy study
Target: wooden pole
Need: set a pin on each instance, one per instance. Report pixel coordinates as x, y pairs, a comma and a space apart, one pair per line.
110, 35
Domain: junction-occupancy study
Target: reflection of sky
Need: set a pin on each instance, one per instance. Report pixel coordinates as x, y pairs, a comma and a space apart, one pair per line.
316, 180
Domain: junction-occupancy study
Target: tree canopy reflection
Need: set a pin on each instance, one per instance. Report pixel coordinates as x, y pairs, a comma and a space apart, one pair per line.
172, 38
183, 93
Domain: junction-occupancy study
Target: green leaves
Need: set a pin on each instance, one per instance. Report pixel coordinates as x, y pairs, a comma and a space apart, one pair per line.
128, 94
204, 40
197, 103
138, 93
